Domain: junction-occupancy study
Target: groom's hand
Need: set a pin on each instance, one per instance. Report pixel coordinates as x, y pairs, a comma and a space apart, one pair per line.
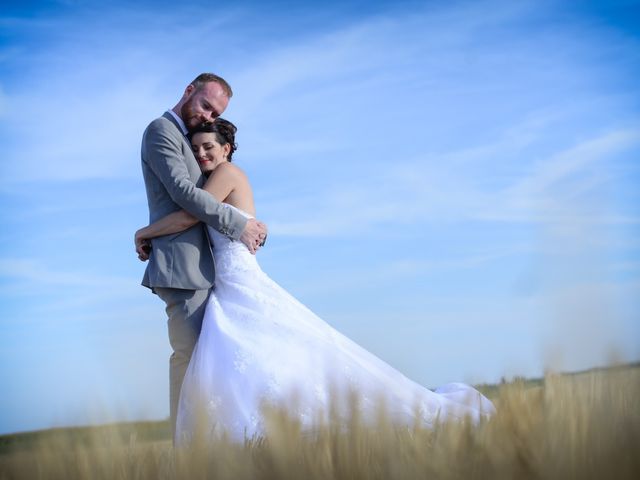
254, 235
143, 247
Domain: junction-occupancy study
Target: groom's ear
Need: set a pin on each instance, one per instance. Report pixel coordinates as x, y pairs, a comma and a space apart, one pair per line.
189, 90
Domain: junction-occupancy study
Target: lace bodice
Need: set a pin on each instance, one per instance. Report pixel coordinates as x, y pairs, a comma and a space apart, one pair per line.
231, 255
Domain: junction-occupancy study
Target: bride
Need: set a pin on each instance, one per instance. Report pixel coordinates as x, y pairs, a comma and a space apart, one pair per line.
260, 346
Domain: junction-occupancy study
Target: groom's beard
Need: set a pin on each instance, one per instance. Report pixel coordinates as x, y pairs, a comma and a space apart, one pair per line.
191, 120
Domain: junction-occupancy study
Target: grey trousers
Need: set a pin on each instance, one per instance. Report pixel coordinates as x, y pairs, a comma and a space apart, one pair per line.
185, 309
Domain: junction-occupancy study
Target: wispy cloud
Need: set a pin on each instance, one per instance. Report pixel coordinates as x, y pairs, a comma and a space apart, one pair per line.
320, 97
541, 190
63, 287
560, 180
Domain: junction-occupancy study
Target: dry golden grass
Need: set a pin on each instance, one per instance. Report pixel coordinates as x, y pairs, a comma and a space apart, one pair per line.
579, 426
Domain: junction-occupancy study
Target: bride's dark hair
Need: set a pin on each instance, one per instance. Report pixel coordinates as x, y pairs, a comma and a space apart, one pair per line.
224, 130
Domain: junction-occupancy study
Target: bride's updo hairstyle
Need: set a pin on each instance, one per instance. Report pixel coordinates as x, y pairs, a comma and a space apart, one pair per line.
224, 130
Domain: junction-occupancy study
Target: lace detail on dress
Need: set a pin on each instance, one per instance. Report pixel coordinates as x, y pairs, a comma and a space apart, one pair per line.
231, 255
241, 361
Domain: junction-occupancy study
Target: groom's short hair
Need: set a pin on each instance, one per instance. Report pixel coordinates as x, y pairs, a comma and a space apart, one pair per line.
203, 78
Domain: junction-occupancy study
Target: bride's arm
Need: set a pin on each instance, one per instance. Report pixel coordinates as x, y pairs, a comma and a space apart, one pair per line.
173, 223
220, 184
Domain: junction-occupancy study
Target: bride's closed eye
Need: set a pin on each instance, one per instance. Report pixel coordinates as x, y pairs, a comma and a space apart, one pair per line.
205, 146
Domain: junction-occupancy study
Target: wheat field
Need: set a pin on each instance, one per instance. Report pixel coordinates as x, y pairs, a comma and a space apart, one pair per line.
580, 426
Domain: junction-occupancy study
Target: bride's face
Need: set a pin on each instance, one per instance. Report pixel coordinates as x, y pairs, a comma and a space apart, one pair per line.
208, 152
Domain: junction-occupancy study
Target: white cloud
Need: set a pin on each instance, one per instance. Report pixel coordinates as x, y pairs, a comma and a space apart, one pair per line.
99, 96
422, 190
65, 290
34, 270
557, 182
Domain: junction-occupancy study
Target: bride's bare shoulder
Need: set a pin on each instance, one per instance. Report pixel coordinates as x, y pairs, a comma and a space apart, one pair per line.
228, 168
228, 172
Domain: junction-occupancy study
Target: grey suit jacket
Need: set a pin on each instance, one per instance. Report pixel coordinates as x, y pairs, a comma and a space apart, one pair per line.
172, 179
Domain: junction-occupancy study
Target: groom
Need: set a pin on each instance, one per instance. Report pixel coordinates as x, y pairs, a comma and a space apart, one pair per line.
181, 269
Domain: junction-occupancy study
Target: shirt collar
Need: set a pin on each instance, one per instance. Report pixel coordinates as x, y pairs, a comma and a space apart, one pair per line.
183, 127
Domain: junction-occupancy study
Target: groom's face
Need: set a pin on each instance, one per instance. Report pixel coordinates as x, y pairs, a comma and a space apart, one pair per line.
203, 105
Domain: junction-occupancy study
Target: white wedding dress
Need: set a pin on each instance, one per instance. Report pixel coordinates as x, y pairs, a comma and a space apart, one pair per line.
259, 345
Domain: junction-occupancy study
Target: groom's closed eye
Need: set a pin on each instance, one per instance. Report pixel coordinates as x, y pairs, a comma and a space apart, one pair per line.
207, 106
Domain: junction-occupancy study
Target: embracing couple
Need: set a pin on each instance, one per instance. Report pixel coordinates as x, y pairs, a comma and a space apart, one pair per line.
239, 340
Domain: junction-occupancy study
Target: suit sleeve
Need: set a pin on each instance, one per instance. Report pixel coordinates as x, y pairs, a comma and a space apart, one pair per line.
164, 157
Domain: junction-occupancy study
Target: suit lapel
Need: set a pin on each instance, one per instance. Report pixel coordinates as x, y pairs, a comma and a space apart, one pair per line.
196, 175
172, 119
194, 169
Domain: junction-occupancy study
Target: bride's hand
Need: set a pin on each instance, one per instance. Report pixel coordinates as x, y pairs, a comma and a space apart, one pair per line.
254, 235
143, 246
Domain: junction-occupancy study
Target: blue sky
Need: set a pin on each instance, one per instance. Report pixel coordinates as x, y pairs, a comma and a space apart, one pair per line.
453, 186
